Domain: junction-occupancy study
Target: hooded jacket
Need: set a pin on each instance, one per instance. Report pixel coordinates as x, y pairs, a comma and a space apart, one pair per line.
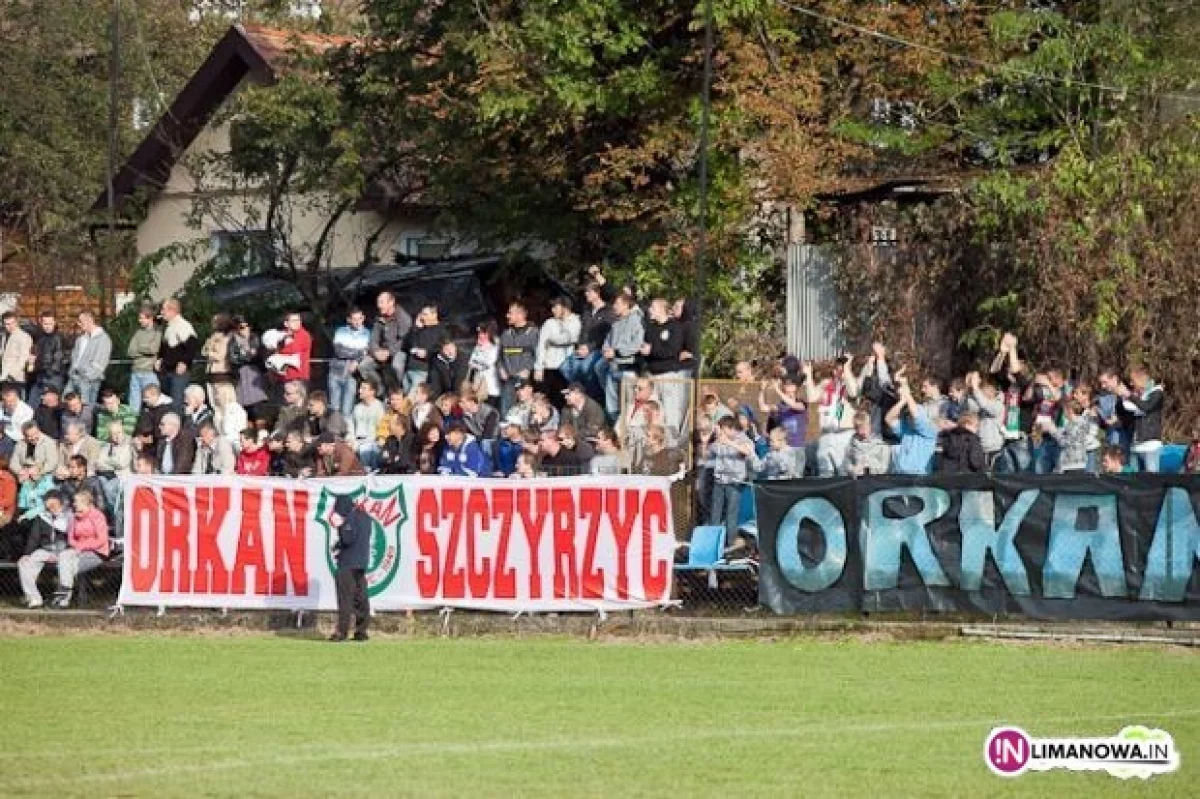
626, 337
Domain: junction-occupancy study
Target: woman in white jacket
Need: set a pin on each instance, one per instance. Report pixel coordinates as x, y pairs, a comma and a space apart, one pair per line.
481, 369
230, 418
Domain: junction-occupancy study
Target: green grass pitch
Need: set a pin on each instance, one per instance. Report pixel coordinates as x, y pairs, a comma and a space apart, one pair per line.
260, 715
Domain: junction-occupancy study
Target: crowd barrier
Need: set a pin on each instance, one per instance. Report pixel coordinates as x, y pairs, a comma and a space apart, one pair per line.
1117, 548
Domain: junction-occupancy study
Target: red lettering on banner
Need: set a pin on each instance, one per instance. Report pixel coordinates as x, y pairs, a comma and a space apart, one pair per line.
291, 553
144, 570
504, 579
429, 563
654, 522
176, 526
622, 528
454, 576
250, 547
566, 575
478, 524
211, 573
591, 506
386, 511
534, 523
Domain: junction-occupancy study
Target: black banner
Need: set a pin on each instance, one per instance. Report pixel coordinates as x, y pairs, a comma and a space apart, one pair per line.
1117, 548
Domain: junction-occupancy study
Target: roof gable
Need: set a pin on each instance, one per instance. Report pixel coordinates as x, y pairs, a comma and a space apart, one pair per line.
251, 52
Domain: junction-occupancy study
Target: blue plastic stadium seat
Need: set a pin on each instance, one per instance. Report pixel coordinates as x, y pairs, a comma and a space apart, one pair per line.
1172, 459
707, 546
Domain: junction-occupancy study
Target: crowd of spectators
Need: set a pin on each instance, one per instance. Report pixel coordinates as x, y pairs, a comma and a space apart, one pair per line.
603, 390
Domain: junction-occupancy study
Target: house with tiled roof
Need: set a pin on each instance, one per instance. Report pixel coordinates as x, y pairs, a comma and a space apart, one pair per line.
158, 187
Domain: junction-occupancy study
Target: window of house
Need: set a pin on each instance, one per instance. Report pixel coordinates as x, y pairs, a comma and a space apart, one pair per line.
424, 248
306, 9
243, 252
229, 9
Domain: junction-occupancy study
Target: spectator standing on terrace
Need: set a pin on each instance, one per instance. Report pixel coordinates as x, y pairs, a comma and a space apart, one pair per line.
447, 370
14, 413
217, 367
585, 364
253, 460
662, 347
113, 410
936, 404
50, 359
389, 334
1114, 420
336, 458
621, 350
176, 449
352, 552
481, 367
557, 339
988, 406
867, 453
142, 350
518, 354
782, 461
367, 415
246, 357
351, 342
1009, 373
424, 341
962, 448
732, 457
15, 353
89, 359
1143, 400
918, 436
36, 456
790, 413
832, 396
179, 349
1072, 438
48, 537
214, 455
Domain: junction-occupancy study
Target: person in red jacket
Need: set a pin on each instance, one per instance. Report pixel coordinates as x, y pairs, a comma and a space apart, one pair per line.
253, 460
295, 350
87, 546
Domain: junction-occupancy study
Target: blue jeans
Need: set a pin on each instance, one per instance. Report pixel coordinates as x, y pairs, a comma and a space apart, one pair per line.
368, 453
1147, 461
174, 385
137, 384
1015, 457
726, 504
612, 389
586, 371
342, 393
88, 390
413, 377
1045, 457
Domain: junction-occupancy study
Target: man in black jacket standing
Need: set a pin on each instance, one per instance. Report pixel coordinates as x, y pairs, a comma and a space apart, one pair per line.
50, 359
663, 345
351, 550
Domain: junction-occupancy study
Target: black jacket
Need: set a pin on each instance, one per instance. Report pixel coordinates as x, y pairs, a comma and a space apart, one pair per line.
594, 326
53, 357
396, 456
49, 421
428, 339
183, 353
183, 453
666, 342
1148, 426
353, 547
446, 376
962, 451
42, 535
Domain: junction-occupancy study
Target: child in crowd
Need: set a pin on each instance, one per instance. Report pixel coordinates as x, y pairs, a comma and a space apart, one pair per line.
782, 461
253, 459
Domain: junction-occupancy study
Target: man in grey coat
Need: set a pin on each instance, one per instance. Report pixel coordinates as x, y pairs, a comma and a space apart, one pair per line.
89, 359
351, 551
386, 358
621, 350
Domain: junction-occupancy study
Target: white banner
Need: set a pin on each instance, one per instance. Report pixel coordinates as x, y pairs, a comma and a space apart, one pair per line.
535, 545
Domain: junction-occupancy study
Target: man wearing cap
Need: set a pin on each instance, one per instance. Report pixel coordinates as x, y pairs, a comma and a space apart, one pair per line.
336, 458
582, 412
351, 552
522, 408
